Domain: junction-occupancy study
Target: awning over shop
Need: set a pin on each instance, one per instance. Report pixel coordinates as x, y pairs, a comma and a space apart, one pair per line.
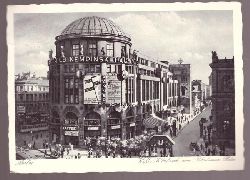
152, 122
165, 138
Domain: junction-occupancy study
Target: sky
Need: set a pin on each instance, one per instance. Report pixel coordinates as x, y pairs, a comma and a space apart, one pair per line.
189, 35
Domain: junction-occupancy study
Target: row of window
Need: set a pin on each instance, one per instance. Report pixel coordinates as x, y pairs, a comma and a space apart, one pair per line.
78, 49
147, 72
30, 88
150, 90
151, 64
32, 97
71, 90
96, 68
130, 94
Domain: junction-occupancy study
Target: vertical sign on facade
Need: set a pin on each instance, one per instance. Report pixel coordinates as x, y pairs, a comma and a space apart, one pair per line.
103, 87
92, 89
113, 89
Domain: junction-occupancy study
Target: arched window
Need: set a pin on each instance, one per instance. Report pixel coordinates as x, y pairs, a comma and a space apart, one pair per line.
114, 117
71, 118
92, 118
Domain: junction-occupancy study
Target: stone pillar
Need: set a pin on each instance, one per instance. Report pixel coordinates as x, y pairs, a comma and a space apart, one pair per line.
123, 124
117, 49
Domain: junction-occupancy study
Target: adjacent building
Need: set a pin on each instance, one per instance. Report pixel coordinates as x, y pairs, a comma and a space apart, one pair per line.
181, 73
223, 100
31, 103
100, 87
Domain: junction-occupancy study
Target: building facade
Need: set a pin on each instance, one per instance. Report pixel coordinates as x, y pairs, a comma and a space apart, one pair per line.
223, 101
31, 103
99, 87
181, 72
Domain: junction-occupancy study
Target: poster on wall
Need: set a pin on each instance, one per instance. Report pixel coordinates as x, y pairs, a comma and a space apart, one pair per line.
92, 89
113, 89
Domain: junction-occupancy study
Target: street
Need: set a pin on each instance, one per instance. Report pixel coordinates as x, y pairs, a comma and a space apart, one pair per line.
190, 133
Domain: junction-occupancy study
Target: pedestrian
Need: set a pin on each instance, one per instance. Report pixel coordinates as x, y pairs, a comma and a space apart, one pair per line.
214, 151
62, 153
171, 132
34, 145
201, 147
45, 153
67, 151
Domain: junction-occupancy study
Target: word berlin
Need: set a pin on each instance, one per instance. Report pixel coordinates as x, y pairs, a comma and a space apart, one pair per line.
95, 59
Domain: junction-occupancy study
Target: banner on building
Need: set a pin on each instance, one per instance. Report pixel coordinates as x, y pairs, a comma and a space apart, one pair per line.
113, 89
92, 89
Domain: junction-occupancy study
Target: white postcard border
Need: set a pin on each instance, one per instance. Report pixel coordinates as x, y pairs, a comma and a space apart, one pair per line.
126, 164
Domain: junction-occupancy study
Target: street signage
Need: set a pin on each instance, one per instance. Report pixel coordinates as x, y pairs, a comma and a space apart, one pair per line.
132, 124
93, 128
71, 133
116, 127
70, 128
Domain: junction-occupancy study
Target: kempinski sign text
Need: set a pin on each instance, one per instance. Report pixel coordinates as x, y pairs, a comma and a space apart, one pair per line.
94, 59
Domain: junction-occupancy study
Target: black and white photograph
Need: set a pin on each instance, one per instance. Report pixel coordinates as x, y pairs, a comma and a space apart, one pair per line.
125, 87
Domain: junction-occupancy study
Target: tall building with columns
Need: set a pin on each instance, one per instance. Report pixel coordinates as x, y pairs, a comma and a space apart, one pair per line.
100, 87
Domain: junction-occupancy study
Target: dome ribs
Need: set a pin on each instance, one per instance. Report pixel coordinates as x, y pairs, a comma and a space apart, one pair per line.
93, 26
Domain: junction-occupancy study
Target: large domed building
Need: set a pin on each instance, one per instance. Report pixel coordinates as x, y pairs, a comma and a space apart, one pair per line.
98, 87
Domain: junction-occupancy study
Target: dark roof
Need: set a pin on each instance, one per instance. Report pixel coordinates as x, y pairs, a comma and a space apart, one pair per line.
93, 26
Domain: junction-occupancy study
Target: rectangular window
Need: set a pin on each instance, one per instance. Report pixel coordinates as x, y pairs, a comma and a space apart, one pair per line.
86, 68
143, 90
108, 68
123, 51
151, 92
76, 99
66, 68
71, 83
92, 68
76, 67
71, 92
98, 68
92, 48
147, 90
76, 83
66, 98
110, 49
76, 50
71, 68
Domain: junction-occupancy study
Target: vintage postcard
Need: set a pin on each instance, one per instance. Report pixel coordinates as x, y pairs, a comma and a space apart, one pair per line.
125, 87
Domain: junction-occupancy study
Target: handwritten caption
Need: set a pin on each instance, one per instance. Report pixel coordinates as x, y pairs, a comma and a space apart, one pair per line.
148, 160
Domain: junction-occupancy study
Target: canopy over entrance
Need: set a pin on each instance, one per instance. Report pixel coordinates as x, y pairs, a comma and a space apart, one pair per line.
161, 138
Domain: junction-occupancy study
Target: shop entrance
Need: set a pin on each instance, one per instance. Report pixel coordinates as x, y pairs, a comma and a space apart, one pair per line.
92, 125
114, 128
71, 129
130, 125
71, 140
